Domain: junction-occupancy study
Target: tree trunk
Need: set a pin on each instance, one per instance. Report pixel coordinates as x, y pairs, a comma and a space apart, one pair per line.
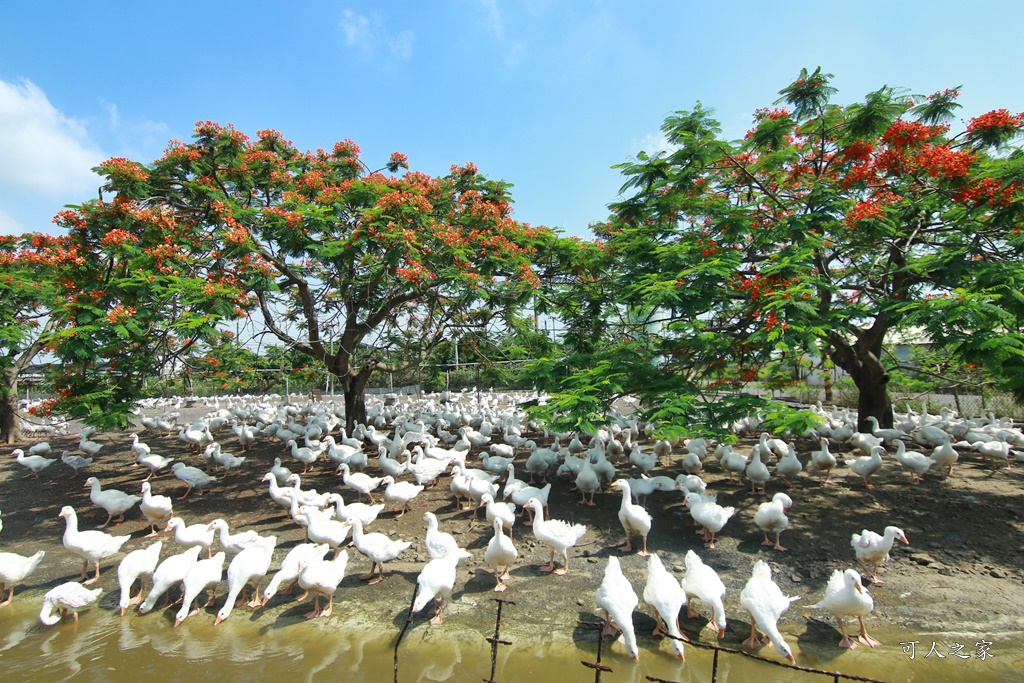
354, 385
9, 430
872, 381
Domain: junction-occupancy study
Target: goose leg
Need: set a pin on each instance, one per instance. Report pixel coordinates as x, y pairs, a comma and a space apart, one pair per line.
846, 642
550, 566
565, 565
437, 612
10, 596
766, 541
753, 641
85, 570
316, 607
690, 612
95, 578
103, 526
330, 606
778, 546
644, 552
864, 637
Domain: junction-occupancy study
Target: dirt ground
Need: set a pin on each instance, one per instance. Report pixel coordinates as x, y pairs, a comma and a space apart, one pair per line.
961, 573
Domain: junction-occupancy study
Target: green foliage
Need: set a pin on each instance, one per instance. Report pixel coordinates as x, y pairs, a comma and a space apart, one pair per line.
823, 230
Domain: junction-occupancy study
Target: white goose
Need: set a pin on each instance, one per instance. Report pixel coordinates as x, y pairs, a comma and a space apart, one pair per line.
917, 464
233, 543
634, 518
846, 596
506, 512
945, 455
280, 472
400, 492
617, 599
378, 548
361, 482
248, 566
822, 461
75, 462
440, 543
156, 509
169, 573
305, 455
90, 448
789, 465
873, 549
154, 463
765, 601
320, 529
366, 514
757, 472
113, 501
709, 515
193, 477
771, 517
279, 494
555, 534
35, 463
321, 578
91, 545
190, 535
867, 465
435, 582
500, 553
67, 597
199, 576
288, 574
701, 581
666, 596
14, 569
137, 564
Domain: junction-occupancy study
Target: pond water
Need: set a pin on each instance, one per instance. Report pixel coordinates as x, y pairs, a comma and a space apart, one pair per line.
260, 647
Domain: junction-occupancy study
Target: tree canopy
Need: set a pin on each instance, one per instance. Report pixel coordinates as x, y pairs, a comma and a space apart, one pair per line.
344, 263
822, 231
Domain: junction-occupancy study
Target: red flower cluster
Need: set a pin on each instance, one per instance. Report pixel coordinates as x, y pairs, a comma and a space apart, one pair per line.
911, 133
117, 237
1000, 119
399, 160
120, 168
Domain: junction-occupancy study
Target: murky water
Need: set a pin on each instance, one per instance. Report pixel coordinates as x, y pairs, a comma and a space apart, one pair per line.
260, 647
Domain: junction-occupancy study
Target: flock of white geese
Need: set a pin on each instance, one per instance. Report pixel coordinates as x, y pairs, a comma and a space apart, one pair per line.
408, 446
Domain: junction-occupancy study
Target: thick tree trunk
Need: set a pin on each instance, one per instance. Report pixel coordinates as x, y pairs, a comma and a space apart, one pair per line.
862, 363
9, 430
355, 407
354, 385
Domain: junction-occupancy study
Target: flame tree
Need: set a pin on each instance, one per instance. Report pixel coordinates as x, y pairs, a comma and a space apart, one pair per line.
822, 231
344, 264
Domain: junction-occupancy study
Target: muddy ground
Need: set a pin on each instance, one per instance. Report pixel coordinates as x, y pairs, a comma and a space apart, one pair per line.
961, 573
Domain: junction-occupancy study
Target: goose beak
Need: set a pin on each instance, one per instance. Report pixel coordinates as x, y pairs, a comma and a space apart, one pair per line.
791, 658
177, 622
218, 620
721, 633
265, 601
123, 611
904, 539
859, 587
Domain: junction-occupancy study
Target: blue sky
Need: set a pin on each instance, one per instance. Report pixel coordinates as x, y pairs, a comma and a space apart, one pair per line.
546, 95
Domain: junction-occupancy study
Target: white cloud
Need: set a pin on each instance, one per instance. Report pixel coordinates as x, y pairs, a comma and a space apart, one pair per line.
367, 33
357, 30
9, 226
494, 16
401, 45
43, 153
